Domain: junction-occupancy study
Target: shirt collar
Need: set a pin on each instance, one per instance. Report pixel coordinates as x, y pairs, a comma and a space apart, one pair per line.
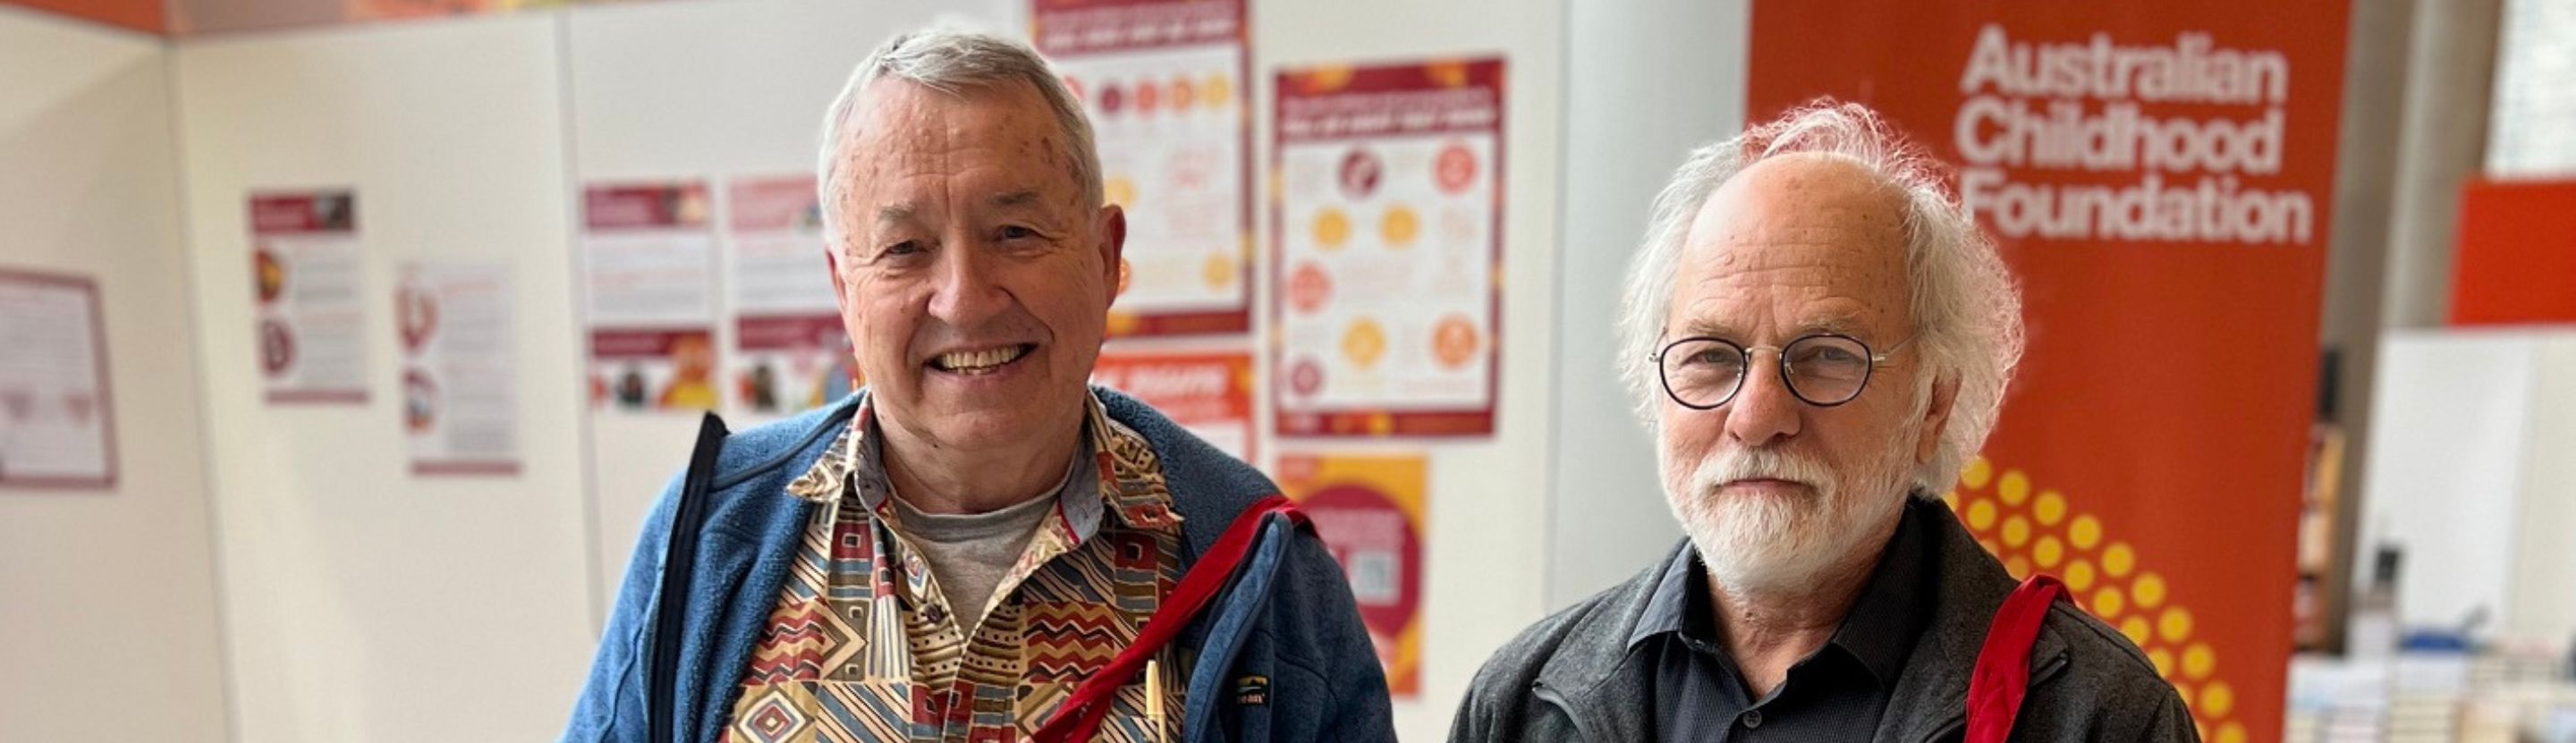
1125, 471
1879, 631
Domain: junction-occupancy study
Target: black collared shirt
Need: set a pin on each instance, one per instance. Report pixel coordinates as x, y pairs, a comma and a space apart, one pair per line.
1835, 694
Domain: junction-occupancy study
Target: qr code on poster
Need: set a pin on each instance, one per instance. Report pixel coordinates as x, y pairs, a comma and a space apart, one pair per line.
1374, 578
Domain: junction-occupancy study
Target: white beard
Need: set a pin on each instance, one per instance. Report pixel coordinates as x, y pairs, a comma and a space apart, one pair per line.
1759, 543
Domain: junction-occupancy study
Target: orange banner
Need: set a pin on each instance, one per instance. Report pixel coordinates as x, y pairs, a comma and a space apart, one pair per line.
2160, 176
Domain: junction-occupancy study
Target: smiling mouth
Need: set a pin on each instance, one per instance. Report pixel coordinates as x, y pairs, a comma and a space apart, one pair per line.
982, 361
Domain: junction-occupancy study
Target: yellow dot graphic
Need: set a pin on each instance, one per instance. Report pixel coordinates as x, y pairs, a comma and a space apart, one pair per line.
1991, 547
2018, 566
2085, 532
2230, 732
2149, 590
2079, 575
2048, 551
2015, 488
2175, 625
2163, 661
2136, 629
1220, 90
1976, 474
1981, 514
1951, 499
2216, 700
2016, 531
2180, 689
1332, 228
1363, 343
2119, 559
2197, 660
2108, 602
2050, 509
1218, 271
1398, 227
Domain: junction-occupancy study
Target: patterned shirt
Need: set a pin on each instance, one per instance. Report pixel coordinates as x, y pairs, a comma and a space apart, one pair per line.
862, 646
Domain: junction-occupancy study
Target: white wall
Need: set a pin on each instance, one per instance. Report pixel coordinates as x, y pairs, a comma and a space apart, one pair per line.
106, 597
1485, 543
1628, 125
2451, 451
2544, 568
363, 604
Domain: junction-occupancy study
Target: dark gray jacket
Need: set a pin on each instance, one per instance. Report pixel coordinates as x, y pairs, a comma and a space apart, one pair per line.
1571, 677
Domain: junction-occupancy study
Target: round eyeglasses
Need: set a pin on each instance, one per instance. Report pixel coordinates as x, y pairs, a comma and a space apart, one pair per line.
1823, 370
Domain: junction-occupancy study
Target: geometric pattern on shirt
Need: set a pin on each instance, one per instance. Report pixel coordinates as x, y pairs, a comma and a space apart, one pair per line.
862, 645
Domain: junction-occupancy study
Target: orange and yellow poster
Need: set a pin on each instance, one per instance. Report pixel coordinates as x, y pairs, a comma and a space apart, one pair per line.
2160, 177
1369, 511
1163, 81
1209, 394
1387, 195
308, 280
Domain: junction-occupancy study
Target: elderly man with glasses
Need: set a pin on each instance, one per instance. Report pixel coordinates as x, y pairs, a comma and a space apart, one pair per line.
1818, 337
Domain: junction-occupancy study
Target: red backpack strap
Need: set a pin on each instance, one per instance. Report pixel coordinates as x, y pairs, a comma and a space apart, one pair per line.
2002, 675
1079, 718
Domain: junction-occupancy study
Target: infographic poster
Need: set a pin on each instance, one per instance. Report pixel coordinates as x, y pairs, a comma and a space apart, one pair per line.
1163, 82
460, 389
57, 430
790, 351
648, 271
1389, 218
308, 281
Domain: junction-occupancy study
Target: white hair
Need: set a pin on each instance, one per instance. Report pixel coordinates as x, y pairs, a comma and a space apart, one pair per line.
1967, 309
952, 61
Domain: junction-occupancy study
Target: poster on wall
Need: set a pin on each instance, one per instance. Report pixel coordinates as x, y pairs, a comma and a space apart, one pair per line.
2160, 182
1210, 394
1369, 511
460, 389
648, 270
1388, 219
790, 352
56, 427
1163, 82
308, 281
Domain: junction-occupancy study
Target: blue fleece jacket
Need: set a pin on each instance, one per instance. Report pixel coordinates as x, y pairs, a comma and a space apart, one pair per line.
1282, 655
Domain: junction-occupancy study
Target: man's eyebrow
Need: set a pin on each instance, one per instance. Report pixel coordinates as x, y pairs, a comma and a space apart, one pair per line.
895, 213
1022, 197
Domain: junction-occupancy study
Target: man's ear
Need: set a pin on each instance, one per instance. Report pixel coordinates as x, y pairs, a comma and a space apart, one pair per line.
840, 287
1936, 417
1113, 246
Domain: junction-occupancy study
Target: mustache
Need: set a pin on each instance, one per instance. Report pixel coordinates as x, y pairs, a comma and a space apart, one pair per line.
1760, 464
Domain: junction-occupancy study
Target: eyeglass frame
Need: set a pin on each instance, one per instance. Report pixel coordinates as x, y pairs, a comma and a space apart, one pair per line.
1663, 374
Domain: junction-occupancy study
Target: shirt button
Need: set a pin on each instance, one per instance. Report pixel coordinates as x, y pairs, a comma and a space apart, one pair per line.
1752, 719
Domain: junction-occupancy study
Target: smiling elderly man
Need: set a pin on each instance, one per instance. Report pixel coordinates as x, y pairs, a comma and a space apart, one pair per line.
1818, 338
976, 542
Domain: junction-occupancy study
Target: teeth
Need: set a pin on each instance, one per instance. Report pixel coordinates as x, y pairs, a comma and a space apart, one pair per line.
973, 362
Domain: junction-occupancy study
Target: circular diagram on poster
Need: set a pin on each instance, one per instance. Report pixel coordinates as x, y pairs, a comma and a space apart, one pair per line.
268, 274
276, 347
419, 310
1380, 549
1306, 377
1360, 172
420, 402
1455, 169
1309, 288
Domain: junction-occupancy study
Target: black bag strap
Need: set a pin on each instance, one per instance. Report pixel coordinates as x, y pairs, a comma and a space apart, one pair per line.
678, 563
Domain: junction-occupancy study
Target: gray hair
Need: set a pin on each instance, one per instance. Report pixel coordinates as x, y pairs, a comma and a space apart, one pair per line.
1967, 309
952, 61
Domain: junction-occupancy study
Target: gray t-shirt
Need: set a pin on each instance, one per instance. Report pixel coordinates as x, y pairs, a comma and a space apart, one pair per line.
969, 553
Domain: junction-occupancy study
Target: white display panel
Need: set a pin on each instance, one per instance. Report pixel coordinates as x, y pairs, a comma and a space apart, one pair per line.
362, 603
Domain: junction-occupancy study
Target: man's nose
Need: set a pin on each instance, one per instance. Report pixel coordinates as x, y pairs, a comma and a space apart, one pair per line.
967, 292
1764, 410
